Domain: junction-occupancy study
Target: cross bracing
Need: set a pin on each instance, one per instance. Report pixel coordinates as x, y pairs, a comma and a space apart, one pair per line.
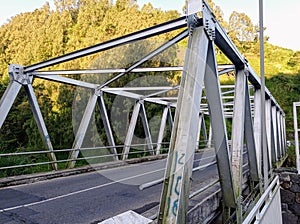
200, 97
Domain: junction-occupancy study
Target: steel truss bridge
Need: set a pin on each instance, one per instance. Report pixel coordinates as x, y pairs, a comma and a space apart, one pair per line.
199, 98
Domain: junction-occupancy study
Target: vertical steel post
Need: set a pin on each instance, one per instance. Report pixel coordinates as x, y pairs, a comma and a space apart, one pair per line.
250, 140
257, 129
296, 131
174, 199
279, 134
284, 133
268, 132
274, 124
238, 139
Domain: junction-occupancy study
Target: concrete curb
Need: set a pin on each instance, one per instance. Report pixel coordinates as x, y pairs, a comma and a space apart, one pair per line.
31, 178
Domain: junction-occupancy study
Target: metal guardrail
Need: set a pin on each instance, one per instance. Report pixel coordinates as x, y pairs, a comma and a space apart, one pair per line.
163, 149
158, 181
79, 158
261, 207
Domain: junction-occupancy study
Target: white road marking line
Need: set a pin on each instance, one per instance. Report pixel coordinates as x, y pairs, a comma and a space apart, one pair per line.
81, 191
77, 192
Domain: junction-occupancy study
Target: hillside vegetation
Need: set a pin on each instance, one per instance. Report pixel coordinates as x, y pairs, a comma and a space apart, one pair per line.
35, 36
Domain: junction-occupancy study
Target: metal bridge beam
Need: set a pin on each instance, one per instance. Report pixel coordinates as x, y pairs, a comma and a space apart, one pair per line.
296, 133
270, 132
107, 126
8, 99
41, 124
130, 131
157, 51
146, 129
284, 133
139, 35
237, 146
250, 138
139, 109
174, 199
162, 129
81, 132
274, 124
279, 133
215, 104
16, 81
69, 81
257, 129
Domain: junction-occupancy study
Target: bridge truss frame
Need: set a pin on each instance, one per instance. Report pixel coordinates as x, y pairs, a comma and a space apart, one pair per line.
200, 72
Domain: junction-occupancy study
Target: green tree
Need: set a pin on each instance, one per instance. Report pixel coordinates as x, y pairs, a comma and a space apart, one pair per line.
286, 90
241, 27
294, 61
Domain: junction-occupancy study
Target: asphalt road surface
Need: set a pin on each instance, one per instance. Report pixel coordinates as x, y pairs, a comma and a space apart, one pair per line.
95, 196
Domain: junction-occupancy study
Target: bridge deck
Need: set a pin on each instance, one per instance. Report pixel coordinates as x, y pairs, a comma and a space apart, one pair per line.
95, 196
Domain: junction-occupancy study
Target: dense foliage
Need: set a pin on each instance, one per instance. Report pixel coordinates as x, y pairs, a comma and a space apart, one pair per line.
35, 36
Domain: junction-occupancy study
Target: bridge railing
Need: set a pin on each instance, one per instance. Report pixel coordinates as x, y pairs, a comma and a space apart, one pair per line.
264, 211
136, 153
